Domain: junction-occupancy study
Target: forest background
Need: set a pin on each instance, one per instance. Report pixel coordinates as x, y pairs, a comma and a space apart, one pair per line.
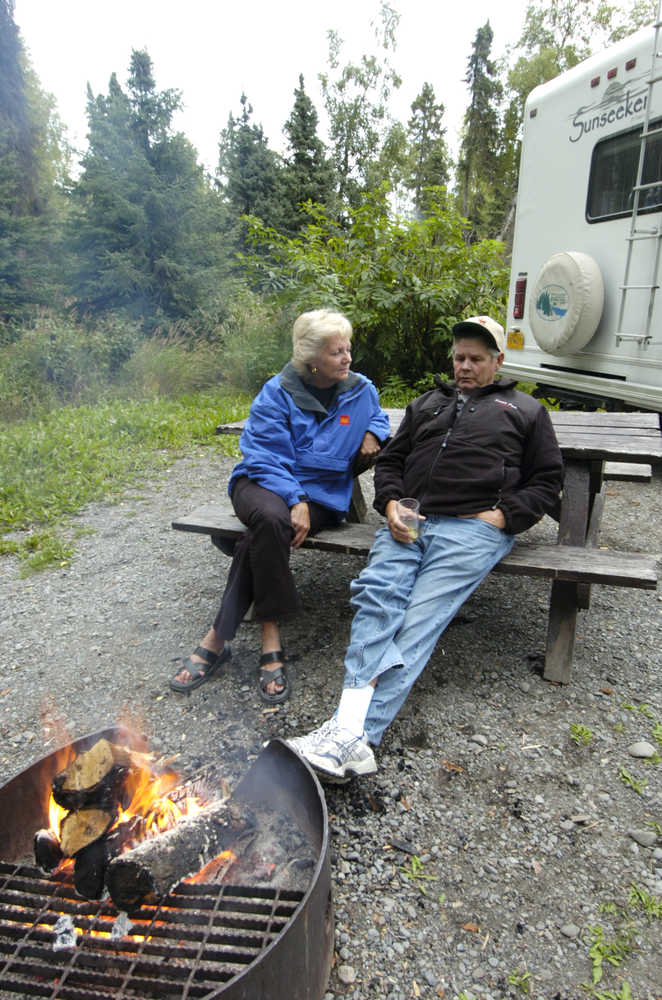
143, 298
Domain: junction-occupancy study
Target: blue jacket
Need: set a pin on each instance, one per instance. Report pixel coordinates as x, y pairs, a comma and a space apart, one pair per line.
296, 448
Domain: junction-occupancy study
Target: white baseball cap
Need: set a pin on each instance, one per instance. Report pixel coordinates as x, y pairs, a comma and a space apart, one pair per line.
485, 326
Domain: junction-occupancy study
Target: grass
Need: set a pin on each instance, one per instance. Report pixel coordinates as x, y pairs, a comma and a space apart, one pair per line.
52, 467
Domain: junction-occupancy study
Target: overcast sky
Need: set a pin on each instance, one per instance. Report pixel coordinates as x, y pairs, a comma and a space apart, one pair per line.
212, 50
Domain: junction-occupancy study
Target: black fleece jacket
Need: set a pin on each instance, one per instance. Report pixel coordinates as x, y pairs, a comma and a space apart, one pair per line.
500, 452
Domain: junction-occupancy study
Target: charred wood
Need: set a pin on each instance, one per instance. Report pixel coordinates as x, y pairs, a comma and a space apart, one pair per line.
47, 850
79, 829
90, 869
94, 777
147, 873
91, 862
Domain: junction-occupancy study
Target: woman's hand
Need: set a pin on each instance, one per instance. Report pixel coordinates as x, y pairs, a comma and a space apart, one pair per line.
300, 519
370, 445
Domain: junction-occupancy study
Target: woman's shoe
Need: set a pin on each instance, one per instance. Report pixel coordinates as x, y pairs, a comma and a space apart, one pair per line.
200, 672
265, 677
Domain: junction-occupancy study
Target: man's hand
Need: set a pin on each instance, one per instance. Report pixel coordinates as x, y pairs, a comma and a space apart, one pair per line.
494, 517
300, 519
370, 445
398, 528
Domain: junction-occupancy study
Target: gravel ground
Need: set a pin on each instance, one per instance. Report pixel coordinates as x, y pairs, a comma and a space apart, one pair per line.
490, 847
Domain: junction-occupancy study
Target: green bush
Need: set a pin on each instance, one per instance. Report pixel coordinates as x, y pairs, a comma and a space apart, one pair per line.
395, 392
402, 282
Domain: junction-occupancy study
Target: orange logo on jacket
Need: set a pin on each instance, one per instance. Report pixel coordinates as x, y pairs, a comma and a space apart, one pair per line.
344, 419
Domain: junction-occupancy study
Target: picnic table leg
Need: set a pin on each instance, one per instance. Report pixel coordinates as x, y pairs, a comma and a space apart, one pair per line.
592, 537
357, 508
564, 598
561, 630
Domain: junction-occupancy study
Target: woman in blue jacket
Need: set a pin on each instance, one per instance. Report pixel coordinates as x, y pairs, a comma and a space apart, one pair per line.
306, 428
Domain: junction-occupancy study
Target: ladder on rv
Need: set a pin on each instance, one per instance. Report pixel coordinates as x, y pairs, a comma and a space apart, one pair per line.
637, 232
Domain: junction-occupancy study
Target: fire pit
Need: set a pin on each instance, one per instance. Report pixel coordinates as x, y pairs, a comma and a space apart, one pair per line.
206, 940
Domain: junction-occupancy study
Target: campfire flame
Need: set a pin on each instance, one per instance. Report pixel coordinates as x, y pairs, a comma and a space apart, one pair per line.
151, 801
56, 814
153, 804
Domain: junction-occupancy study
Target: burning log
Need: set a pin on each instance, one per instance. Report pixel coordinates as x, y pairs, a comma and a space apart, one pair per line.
147, 873
81, 828
90, 869
94, 777
47, 850
91, 862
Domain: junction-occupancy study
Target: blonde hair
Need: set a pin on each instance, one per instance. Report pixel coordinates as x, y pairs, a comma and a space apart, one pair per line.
310, 332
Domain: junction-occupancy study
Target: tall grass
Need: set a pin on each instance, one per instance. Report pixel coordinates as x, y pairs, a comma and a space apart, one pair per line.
52, 467
55, 361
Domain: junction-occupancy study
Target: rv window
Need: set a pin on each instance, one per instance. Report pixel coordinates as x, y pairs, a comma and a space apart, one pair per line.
614, 172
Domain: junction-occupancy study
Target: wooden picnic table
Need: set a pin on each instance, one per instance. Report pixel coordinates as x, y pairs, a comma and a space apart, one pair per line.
588, 442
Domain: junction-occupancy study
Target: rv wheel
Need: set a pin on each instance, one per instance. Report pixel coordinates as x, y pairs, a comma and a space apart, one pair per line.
567, 301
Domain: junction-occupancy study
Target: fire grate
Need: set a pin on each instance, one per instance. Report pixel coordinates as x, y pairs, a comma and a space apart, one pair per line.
204, 940
198, 938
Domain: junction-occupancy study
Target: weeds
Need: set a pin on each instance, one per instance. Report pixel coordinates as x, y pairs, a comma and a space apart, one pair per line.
580, 734
521, 980
614, 952
416, 874
43, 549
639, 898
625, 993
636, 784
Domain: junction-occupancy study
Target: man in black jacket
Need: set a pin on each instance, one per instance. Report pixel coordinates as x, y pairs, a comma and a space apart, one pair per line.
482, 459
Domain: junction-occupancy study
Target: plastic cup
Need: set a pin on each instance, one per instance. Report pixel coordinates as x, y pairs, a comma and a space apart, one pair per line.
408, 509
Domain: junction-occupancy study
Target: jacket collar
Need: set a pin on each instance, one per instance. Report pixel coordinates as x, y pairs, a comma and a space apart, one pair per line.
500, 385
291, 382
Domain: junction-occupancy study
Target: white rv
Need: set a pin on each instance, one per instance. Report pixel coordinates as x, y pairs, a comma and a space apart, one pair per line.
584, 316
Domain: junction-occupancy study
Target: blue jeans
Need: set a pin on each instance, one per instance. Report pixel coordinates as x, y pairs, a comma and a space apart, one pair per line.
404, 599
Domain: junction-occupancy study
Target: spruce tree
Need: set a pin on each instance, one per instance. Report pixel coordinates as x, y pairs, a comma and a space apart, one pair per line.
428, 153
146, 233
31, 176
308, 174
249, 175
478, 166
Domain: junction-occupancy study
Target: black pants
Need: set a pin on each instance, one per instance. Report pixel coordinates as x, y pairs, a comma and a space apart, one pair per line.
260, 572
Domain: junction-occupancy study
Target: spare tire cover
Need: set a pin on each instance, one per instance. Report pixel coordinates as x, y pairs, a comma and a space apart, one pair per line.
567, 301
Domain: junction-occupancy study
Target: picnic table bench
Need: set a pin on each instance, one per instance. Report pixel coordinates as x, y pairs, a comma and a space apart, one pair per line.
588, 441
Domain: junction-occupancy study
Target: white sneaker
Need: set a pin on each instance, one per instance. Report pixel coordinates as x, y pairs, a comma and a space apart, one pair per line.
340, 754
311, 740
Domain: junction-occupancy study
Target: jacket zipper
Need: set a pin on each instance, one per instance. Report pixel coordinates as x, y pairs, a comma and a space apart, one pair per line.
443, 444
